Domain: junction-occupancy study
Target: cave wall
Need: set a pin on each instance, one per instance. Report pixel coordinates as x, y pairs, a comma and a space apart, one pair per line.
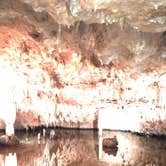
66, 63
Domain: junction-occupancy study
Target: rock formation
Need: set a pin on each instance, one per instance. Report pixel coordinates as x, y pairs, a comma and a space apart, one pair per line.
74, 60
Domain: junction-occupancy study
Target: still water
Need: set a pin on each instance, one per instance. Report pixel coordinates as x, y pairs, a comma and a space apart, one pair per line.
83, 148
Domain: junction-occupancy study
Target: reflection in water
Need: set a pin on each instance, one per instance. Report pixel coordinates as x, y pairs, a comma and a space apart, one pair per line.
84, 148
135, 150
46, 159
11, 159
8, 159
111, 149
100, 147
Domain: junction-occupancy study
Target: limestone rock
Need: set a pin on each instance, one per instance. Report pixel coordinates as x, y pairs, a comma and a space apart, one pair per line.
6, 140
142, 15
110, 142
74, 59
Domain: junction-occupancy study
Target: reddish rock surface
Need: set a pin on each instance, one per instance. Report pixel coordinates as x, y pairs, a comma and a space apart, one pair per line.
11, 140
71, 76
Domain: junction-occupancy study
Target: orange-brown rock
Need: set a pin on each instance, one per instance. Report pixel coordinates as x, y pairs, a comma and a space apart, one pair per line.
11, 140
110, 142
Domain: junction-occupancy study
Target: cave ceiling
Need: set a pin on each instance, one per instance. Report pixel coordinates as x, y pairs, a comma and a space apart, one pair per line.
106, 29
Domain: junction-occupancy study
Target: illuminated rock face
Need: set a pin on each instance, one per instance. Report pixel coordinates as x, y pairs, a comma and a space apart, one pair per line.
74, 62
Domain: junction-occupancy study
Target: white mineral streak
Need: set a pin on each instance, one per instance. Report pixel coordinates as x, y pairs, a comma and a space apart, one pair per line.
8, 98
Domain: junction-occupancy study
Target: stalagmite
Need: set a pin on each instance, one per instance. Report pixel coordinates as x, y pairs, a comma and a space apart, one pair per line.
8, 106
44, 133
100, 124
9, 130
10, 119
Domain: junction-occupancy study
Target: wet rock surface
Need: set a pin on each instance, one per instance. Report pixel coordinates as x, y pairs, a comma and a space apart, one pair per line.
11, 140
110, 142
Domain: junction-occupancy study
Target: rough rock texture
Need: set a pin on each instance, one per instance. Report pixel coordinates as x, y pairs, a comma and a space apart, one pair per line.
142, 15
64, 63
6, 140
